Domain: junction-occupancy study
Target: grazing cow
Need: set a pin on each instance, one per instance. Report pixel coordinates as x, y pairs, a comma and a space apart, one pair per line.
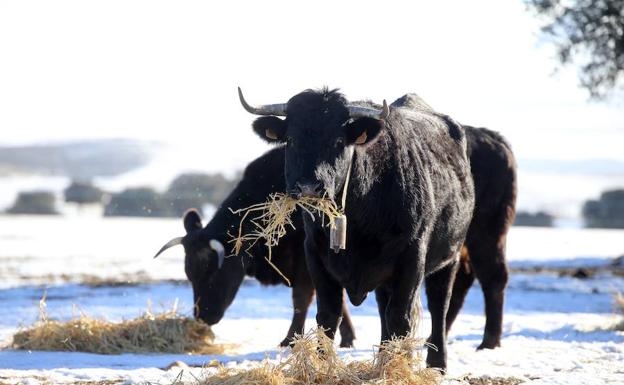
409, 201
216, 278
493, 168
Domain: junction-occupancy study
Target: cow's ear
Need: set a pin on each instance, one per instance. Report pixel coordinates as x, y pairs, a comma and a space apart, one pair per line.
270, 128
363, 130
192, 221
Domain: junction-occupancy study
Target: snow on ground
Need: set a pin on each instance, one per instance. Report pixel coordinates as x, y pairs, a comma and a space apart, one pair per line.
55, 250
555, 328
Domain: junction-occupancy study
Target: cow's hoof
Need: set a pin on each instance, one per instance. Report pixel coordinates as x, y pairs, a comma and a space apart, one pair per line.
346, 343
437, 364
436, 359
286, 342
493, 344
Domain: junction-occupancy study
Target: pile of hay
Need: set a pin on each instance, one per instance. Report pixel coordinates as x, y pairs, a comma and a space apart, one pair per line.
315, 361
273, 218
167, 332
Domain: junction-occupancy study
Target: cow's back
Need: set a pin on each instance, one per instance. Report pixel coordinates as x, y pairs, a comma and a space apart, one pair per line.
493, 168
413, 182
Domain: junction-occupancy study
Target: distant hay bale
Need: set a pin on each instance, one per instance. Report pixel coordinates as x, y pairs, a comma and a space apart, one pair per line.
273, 218
315, 361
619, 303
167, 332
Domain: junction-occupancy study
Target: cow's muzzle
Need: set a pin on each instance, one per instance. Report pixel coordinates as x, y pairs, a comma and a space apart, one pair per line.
306, 190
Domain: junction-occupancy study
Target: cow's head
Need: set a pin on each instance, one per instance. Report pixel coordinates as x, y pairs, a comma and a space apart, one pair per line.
214, 278
320, 130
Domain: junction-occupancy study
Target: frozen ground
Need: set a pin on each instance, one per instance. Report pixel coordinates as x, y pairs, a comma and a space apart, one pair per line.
555, 327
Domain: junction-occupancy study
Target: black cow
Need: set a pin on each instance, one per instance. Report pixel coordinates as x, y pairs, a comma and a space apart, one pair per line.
409, 203
216, 278
493, 168
494, 173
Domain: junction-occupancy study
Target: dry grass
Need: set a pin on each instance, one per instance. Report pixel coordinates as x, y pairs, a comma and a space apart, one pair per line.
167, 332
272, 219
41, 380
266, 373
315, 361
487, 380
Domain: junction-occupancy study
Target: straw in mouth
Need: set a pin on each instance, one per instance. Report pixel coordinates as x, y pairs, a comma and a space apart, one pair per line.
271, 220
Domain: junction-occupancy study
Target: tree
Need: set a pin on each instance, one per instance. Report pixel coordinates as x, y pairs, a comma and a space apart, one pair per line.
606, 212
590, 33
34, 202
83, 193
197, 189
138, 202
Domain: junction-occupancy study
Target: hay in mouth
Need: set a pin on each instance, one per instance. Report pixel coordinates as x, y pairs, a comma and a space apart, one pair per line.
271, 220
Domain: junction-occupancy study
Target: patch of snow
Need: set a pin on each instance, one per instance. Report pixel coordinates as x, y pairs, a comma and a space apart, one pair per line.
555, 328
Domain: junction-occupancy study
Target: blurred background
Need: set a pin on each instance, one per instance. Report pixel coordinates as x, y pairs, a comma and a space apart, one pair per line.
134, 105
115, 110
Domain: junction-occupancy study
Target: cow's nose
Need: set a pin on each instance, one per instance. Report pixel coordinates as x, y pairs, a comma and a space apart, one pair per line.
309, 189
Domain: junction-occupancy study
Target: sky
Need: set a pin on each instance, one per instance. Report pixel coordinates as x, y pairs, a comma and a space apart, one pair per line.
168, 71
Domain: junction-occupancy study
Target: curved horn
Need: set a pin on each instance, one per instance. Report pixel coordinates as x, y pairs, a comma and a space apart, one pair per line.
218, 247
171, 243
361, 112
269, 109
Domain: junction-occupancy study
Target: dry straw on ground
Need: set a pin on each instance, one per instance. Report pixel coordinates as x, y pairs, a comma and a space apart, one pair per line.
167, 332
272, 219
314, 360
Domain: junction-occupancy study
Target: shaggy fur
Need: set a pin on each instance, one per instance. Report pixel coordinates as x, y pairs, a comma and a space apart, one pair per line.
214, 289
493, 168
409, 204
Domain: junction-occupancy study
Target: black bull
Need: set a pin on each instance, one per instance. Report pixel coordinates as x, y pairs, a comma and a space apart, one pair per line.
493, 170
409, 202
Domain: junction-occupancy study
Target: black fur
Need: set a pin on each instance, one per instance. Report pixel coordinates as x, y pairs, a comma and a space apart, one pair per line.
214, 289
493, 168
494, 172
409, 204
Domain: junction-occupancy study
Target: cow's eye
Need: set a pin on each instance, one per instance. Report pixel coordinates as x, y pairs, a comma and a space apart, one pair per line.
339, 142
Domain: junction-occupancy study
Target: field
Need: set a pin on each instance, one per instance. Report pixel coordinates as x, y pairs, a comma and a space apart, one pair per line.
556, 328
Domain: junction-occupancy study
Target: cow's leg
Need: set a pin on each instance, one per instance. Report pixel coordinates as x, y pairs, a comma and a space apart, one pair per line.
329, 296
401, 311
347, 333
463, 282
488, 261
329, 299
439, 286
302, 294
382, 297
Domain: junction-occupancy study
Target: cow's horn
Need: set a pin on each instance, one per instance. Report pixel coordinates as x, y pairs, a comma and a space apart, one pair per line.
268, 109
361, 112
218, 247
171, 243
